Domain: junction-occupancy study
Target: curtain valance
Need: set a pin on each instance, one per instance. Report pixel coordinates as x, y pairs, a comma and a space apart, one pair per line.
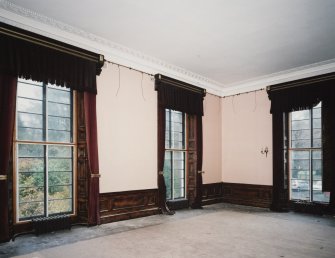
32, 56
301, 94
178, 95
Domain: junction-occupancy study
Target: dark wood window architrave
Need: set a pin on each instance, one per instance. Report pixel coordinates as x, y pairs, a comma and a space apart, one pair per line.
187, 98
299, 95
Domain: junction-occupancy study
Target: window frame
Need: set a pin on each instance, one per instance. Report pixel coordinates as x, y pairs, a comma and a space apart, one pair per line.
310, 151
73, 143
183, 150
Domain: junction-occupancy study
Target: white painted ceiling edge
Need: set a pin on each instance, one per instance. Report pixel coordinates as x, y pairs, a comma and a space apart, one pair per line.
116, 53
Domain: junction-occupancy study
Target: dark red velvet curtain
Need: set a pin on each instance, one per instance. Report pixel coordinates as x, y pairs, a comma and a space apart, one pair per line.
8, 85
93, 160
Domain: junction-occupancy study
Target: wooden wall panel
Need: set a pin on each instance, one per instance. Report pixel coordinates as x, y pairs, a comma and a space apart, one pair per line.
212, 193
243, 194
247, 194
127, 205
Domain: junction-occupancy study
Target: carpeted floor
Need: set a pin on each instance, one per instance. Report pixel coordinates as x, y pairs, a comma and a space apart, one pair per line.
220, 230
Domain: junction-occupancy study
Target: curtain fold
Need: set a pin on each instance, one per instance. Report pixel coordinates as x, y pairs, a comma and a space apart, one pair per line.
180, 99
177, 95
93, 159
8, 87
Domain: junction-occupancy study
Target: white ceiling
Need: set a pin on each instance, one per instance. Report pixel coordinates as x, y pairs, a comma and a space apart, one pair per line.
231, 42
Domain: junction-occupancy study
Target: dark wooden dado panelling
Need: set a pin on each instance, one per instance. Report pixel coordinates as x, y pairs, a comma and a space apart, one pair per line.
246, 194
128, 205
212, 193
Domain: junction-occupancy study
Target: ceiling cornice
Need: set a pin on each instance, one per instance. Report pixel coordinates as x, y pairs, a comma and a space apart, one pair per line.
26, 19
280, 77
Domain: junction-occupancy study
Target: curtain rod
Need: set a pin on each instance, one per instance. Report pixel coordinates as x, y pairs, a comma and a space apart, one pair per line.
45, 43
130, 68
243, 93
173, 82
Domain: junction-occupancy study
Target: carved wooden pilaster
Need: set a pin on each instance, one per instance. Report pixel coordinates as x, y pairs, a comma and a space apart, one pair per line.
191, 159
82, 163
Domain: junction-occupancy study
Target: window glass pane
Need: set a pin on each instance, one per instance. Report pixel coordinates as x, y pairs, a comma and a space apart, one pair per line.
31, 150
301, 135
300, 124
60, 206
60, 164
300, 163
31, 91
31, 194
168, 174
301, 144
60, 178
177, 116
57, 192
31, 165
317, 123
59, 136
30, 106
178, 193
31, 209
59, 96
30, 120
29, 134
317, 112
60, 151
59, 123
56, 109
300, 115
31, 179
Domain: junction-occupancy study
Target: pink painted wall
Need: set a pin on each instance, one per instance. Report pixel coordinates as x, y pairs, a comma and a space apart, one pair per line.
235, 129
212, 140
127, 130
246, 129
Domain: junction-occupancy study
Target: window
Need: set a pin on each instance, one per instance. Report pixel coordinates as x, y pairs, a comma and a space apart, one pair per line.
305, 156
44, 150
175, 151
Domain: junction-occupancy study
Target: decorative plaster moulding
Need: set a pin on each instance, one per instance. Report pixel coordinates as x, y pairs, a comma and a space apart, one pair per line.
26, 19
280, 77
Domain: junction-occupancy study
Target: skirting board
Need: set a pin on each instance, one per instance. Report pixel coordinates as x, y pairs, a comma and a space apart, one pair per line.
125, 205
